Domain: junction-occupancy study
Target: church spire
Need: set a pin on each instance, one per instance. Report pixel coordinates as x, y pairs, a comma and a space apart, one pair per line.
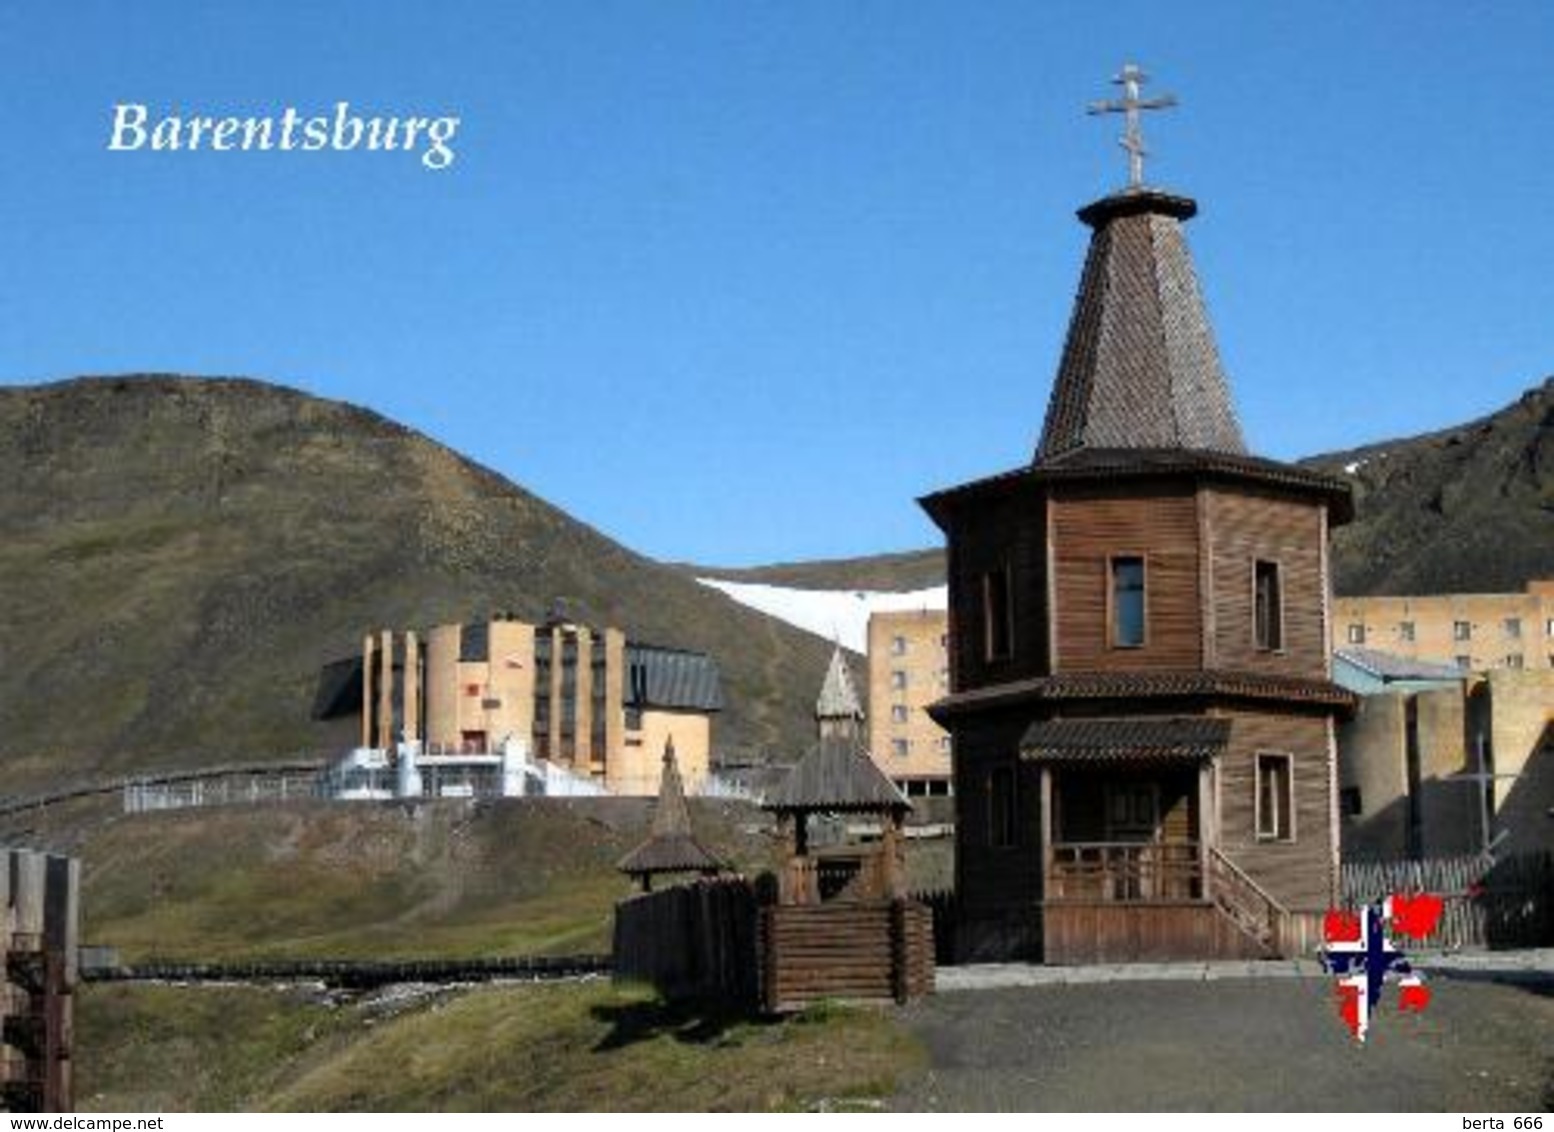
1140, 368
839, 711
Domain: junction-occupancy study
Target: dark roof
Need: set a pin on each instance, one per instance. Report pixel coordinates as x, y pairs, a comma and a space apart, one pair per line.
1090, 465
1389, 666
1212, 683
339, 691
671, 678
1126, 740
670, 847
1140, 368
836, 775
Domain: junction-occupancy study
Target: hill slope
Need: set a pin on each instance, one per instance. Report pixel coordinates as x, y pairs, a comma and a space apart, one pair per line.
1465, 509
180, 555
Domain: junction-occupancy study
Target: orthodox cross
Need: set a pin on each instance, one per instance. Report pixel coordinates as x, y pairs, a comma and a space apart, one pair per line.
1129, 105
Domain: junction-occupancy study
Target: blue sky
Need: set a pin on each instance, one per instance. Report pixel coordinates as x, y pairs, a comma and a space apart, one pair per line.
735, 282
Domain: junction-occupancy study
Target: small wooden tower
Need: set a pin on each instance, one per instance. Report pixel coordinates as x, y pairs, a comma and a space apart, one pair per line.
670, 847
842, 925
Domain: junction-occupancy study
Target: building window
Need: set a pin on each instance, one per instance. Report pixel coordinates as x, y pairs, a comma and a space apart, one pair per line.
1406, 630
1268, 605
1548, 627
1000, 807
898, 679
997, 616
898, 646
1275, 798
1464, 662
944, 744
898, 713
1349, 802
1514, 660
901, 748
944, 640
1128, 609
1356, 634
1462, 630
1513, 626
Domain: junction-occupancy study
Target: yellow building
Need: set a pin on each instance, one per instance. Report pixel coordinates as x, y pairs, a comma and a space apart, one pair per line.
908, 670
582, 698
1475, 632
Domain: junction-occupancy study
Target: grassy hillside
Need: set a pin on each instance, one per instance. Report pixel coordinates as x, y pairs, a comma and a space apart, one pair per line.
574, 1047
181, 555
369, 880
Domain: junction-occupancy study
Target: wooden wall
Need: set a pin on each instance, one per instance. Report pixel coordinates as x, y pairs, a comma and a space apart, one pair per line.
1142, 933
1158, 521
1008, 532
692, 941
1300, 874
1244, 525
854, 950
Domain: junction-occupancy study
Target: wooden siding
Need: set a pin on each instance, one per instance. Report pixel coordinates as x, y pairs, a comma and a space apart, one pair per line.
1299, 874
1157, 521
1008, 533
1141, 933
876, 950
991, 879
1244, 526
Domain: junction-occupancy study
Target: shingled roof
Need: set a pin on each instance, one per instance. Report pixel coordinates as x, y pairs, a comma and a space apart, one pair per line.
1191, 738
837, 775
838, 694
670, 847
1140, 368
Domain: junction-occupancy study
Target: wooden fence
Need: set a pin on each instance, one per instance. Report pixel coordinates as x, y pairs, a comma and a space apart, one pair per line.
1496, 904
692, 941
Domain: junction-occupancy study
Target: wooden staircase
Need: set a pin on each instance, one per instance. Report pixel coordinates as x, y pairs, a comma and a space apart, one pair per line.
1256, 914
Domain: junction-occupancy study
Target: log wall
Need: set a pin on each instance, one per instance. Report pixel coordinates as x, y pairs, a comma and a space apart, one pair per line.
880, 950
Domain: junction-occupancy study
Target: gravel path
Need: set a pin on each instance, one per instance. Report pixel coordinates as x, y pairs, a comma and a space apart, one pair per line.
1231, 1045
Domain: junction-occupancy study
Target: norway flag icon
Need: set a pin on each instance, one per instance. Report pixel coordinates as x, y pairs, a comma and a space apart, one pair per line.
1360, 951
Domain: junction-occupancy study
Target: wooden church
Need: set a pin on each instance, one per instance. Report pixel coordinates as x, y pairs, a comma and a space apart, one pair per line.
1141, 704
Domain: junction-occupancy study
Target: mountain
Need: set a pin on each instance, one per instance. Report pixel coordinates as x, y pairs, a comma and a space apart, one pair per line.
1468, 509
179, 556
890, 573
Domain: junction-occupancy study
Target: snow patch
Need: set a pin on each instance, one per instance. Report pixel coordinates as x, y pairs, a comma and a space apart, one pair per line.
842, 615
1354, 467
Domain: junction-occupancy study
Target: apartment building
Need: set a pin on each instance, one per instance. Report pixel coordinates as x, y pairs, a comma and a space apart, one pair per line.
1473, 632
576, 696
908, 670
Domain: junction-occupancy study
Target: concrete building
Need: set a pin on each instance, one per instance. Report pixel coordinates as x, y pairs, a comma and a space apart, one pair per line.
1475, 632
909, 668
1432, 765
570, 696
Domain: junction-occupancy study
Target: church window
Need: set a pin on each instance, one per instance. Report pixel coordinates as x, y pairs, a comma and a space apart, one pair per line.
1128, 608
997, 615
1275, 801
1268, 595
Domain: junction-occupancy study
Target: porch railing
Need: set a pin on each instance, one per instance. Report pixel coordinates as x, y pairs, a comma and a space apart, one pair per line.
1125, 870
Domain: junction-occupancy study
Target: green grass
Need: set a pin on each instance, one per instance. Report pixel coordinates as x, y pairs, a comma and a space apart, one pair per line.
372, 881
576, 1046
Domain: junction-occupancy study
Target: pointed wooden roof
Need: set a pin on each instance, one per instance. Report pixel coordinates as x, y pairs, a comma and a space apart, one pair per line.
670, 847
837, 775
1140, 368
838, 694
